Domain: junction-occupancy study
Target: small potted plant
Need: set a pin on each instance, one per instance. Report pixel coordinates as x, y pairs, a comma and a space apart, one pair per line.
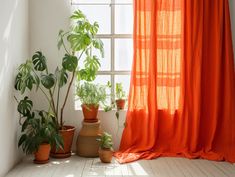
106, 150
39, 132
91, 96
120, 96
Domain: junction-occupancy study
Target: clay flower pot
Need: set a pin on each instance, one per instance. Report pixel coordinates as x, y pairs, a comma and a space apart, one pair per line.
42, 155
90, 113
105, 155
87, 145
67, 135
120, 103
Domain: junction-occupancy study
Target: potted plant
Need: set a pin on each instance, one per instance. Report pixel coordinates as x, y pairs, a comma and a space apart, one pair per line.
39, 132
106, 144
120, 96
35, 73
91, 96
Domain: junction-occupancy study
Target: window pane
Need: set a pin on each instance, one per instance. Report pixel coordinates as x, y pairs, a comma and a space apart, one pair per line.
91, 1
102, 80
100, 14
124, 1
106, 61
123, 54
123, 19
125, 80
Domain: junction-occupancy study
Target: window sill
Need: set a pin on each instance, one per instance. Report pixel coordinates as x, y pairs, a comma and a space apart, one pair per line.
102, 110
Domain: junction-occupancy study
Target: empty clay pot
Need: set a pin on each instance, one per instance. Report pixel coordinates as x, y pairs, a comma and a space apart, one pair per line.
120, 103
67, 135
42, 155
105, 155
90, 113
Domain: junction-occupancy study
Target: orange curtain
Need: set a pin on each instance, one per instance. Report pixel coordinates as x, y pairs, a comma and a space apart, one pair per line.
182, 93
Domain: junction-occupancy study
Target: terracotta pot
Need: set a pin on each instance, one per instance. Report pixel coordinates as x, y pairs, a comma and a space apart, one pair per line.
120, 103
105, 155
90, 113
67, 135
87, 145
42, 155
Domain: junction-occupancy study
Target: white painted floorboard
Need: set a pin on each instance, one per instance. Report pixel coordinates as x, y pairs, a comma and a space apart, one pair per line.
90, 167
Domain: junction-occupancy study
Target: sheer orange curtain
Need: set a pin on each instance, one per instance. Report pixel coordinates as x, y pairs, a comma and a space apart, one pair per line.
182, 93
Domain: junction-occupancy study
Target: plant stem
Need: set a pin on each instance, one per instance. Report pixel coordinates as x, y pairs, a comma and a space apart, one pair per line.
65, 46
51, 95
57, 104
66, 98
52, 101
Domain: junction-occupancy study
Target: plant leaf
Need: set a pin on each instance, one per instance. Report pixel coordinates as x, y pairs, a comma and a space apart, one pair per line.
25, 106
39, 61
70, 62
78, 15
22, 139
18, 81
63, 78
48, 81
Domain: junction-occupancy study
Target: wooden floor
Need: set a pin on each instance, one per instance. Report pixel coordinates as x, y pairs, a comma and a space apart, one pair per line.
90, 167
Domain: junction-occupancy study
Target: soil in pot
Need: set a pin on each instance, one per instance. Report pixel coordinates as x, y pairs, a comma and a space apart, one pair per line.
90, 113
67, 135
120, 104
105, 155
42, 155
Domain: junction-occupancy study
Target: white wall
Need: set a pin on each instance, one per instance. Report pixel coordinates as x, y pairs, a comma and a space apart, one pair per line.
47, 17
13, 50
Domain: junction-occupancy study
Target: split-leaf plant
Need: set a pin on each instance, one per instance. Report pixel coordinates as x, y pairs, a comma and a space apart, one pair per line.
38, 128
78, 42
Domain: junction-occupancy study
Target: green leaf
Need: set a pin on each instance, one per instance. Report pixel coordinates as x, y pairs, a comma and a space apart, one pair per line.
24, 126
29, 82
18, 81
22, 139
39, 61
63, 78
25, 106
78, 15
98, 44
70, 62
60, 41
79, 41
48, 81
117, 114
37, 81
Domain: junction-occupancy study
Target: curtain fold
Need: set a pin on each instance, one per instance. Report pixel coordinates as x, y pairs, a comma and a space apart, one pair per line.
182, 92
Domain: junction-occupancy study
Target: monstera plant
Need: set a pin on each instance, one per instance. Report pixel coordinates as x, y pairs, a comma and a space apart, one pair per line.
39, 132
78, 43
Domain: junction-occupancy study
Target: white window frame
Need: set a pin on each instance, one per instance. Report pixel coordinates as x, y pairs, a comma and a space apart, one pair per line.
112, 38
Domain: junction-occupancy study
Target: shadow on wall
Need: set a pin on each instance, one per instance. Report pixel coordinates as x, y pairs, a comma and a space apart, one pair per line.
13, 49
6, 30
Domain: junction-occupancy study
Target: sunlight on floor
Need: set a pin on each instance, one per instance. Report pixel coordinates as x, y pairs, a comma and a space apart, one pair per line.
92, 167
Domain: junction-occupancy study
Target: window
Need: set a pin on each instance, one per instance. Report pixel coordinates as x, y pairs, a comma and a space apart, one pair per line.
115, 19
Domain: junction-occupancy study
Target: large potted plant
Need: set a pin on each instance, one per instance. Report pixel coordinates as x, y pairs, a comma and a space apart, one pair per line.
39, 132
34, 74
106, 144
81, 40
91, 96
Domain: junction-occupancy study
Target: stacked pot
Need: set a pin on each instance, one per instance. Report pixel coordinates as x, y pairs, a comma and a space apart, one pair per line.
87, 145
